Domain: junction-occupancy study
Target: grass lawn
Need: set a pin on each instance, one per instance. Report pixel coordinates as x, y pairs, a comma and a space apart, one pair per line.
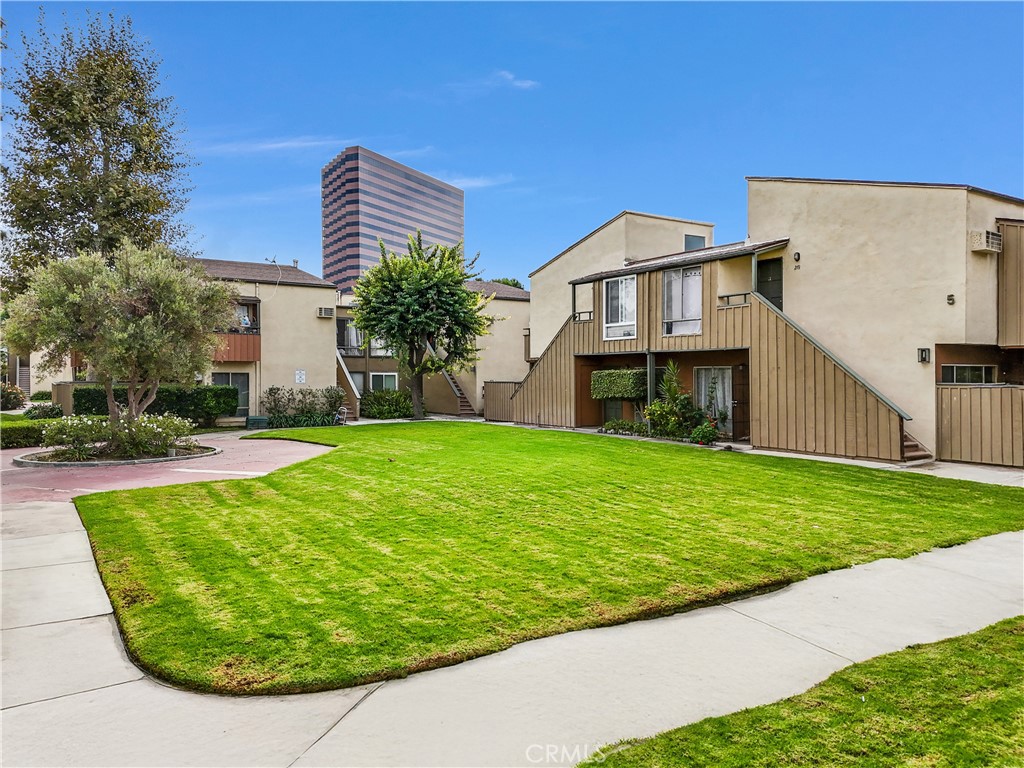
419, 545
954, 703
8, 418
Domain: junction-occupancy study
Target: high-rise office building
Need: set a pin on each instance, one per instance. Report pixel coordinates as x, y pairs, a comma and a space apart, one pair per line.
366, 196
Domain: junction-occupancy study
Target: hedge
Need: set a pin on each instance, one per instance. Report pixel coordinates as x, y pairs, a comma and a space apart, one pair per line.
619, 384
23, 434
386, 404
41, 396
200, 404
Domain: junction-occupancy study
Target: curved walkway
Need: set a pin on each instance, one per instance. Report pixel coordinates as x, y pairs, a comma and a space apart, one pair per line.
71, 696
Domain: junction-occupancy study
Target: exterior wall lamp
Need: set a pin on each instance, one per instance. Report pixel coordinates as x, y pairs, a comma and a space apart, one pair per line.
924, 354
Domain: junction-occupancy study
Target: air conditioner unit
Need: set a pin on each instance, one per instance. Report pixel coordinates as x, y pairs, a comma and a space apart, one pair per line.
325, 312
986, 242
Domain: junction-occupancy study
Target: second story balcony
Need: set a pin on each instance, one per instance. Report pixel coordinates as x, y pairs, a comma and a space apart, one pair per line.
239, 346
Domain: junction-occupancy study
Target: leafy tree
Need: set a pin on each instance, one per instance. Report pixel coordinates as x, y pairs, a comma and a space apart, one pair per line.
419, 306
93, 157
508, 281
148, 318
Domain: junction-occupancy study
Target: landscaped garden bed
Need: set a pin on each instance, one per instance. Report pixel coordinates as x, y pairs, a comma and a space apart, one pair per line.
425, 544
956, 702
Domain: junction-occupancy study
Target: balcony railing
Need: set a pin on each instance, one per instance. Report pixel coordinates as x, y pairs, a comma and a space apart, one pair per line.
346, 350
734, 299
239, 347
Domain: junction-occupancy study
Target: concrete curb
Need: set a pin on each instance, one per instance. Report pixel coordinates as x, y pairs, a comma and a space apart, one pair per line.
27, 461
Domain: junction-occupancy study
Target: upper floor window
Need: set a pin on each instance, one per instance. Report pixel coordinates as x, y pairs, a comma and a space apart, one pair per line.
350, 338
620, 307
681, 310
693, 242
968, 374
247, 318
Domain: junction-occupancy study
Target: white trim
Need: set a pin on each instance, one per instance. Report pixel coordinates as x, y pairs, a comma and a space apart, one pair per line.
605, 325
382, 373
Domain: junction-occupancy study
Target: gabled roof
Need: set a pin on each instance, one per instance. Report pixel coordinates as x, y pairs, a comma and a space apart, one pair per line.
866, 182
261, 272
500, 290
609, 223
687, 258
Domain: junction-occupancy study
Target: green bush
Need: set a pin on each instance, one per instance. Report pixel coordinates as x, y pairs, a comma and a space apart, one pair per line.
44, 411
22, 434
625, 427
387, 404
664, 420
705, 434
11, 397
78, 438
619, 384
41, 396
302, 407
200, 404
151, 436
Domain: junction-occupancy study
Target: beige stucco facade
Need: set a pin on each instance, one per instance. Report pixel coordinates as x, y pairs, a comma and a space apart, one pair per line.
295, 342
502, 353
878, 265
629, 236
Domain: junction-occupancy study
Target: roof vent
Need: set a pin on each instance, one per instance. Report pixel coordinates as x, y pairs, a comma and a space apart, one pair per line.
986, 242
325, 312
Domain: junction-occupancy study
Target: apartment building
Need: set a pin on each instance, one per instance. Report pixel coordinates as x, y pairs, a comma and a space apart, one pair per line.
367, 367
866, 319
367, 198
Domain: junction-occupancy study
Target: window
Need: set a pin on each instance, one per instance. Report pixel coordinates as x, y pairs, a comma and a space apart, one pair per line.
350, 338
240, 380
612, 410
968, 374
682, 301
246, 318
377, 349
620, 308
359, 379
379, 381
716, 381
693, 242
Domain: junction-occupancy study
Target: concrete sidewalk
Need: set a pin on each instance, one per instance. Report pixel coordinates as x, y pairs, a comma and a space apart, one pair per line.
71, 696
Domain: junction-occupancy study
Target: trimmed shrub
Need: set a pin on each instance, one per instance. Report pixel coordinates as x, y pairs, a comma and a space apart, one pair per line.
152, 436
78, 437
705, 434
200, 404
387, 404
44, 411
42, 396
625, 427
302, 407
11, 397
619, 384
22, 434
664, 420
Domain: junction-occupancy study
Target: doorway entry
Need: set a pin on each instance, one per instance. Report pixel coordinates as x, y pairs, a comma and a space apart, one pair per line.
769, 280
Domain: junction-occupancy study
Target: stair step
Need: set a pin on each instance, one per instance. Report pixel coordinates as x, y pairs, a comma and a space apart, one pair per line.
915, 455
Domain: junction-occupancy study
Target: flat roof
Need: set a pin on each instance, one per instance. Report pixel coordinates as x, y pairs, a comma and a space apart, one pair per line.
612, 221
687, 258
868, 182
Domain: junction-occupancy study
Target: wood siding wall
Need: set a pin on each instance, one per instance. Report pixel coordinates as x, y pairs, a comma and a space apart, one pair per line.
1011, 286
498, 400
802, 400
984, 425
547, 395
238, 348
721, 327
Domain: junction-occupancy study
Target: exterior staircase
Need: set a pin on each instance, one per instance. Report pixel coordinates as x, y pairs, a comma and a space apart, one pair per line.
913, 450
466, 409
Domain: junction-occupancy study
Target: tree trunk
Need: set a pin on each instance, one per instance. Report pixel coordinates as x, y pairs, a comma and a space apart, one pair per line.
112, 407
417, 396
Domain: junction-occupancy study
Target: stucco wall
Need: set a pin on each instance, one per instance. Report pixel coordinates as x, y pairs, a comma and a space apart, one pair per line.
877, 263
502, 351
630, 235
292, 338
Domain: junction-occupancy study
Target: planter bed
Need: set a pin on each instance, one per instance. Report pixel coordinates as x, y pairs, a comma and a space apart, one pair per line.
40, 459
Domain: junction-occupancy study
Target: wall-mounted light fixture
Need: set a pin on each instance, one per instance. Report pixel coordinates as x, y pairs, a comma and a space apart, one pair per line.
924, 354
950, 299
796, 256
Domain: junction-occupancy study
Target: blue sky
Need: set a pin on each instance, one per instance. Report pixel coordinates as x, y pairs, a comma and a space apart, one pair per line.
555, 117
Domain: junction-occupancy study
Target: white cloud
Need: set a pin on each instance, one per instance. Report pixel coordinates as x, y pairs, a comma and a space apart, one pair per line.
477, 182
504, 75
287, 144
266, 197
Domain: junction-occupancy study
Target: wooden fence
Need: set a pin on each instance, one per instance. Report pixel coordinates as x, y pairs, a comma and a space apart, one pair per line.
498, 400
981, 424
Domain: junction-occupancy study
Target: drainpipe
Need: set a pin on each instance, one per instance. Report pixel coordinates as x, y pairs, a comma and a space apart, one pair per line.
650, 377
